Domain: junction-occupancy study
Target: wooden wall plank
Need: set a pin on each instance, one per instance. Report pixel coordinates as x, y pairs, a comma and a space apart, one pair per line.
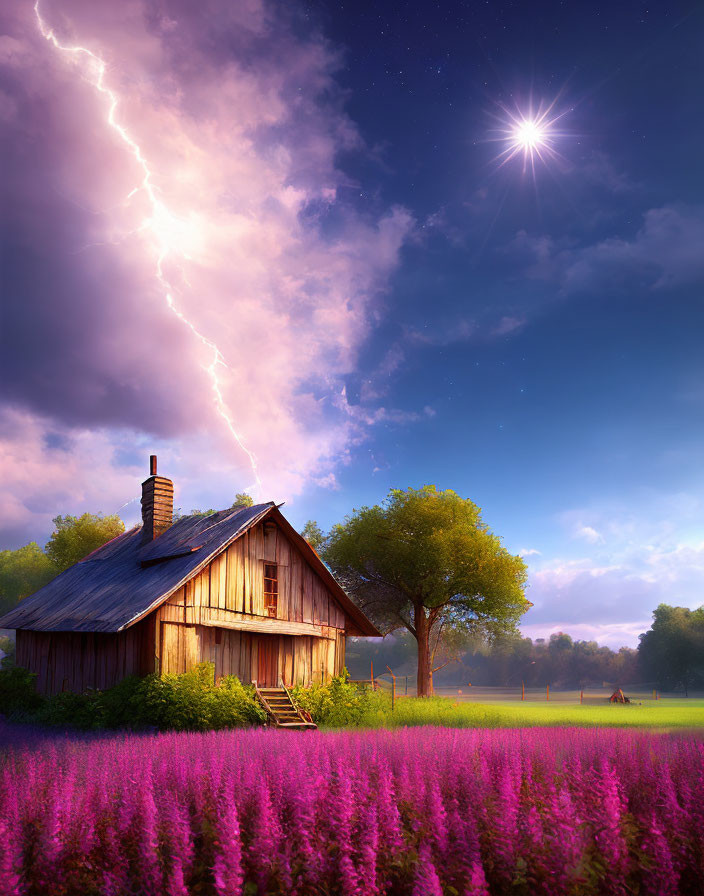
254, 657
246, 657
247, 590
268, 542
256, 569
215, 597
296, 597
317, 662
235, 578
308, 589
220, 569
205, 587
340, 645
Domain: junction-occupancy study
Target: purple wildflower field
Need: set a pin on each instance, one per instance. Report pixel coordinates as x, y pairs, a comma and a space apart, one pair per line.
424, 811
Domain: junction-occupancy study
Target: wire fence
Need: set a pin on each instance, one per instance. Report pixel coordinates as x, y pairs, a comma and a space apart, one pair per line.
406, 687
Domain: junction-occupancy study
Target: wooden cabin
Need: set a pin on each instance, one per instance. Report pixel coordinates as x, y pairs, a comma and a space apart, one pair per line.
239, 588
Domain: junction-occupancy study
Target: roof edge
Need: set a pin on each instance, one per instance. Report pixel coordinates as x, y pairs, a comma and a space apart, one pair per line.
367, 627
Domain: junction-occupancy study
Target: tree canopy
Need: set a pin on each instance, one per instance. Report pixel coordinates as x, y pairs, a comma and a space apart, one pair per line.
29, 568
424, 560
314, 535
74, 537
671, 652
22, 572
242, 499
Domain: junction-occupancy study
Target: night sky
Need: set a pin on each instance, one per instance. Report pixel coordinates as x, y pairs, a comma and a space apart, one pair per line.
299, 260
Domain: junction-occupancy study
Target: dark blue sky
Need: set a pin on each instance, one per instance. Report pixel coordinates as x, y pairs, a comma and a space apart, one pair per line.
587, 413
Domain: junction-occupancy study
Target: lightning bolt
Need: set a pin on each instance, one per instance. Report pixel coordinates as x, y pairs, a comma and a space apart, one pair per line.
162, 223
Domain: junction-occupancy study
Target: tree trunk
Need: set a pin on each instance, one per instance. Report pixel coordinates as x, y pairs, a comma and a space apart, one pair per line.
422, 628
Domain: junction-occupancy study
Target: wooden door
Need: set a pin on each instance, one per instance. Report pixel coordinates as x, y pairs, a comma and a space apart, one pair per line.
268, 661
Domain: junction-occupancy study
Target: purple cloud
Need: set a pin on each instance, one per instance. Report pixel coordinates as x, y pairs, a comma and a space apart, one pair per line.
117, 291
665, 252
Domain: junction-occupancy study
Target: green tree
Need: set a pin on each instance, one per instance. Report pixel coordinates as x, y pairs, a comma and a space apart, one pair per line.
314, 535
8, 648
76, 537
671, 652
424, 560
241, 500
22, 572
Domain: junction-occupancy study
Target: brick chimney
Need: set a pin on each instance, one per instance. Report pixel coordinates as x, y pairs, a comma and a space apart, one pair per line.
157, 503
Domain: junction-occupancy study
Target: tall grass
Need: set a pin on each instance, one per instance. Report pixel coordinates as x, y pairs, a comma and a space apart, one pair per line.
419, 812
443, 711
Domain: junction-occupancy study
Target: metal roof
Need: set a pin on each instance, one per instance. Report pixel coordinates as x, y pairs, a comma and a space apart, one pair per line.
122, 581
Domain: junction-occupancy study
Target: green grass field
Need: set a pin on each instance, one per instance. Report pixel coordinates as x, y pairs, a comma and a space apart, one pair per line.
661, 714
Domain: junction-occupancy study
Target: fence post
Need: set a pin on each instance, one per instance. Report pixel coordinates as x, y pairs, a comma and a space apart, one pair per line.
371, 674
523, 690
581, 696
406, 685
547, 693
393, 689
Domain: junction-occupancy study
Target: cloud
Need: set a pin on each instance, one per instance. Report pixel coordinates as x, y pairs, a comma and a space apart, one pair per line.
44, 477
509, 324
442, 333
455, 331
639, 558
600, 171
589, 533
241, 123
664, 253
529, 552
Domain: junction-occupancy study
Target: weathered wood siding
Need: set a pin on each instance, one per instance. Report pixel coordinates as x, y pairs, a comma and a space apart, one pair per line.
233, 583
75, 661
219, 616
297, 659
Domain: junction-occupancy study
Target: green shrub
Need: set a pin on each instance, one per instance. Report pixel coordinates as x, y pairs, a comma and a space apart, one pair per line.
18, 693
188, 702
118, 706
69, 710
237, 701
342, 704
193, 702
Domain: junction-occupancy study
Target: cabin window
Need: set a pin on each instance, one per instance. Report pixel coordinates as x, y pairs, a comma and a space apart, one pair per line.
271, 589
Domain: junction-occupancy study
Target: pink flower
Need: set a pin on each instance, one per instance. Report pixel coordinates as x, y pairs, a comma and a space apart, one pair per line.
227, 866
10, 862
427, 882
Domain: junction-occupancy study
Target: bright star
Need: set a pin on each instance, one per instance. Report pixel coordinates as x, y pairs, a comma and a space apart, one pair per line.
530, 135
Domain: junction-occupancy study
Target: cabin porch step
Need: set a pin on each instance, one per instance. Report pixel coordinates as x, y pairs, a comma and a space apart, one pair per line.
281, 709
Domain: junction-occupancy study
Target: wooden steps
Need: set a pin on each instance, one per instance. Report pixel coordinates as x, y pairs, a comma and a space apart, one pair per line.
281, 709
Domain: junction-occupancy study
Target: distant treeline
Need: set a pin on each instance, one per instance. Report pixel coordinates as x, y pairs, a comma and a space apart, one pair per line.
560, 661
670, 656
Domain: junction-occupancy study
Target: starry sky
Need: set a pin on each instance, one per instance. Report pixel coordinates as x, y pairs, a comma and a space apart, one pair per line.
279, 246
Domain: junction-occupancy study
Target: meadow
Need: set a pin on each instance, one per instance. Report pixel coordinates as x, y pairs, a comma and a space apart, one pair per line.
425, 811
447, 711
341, 704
